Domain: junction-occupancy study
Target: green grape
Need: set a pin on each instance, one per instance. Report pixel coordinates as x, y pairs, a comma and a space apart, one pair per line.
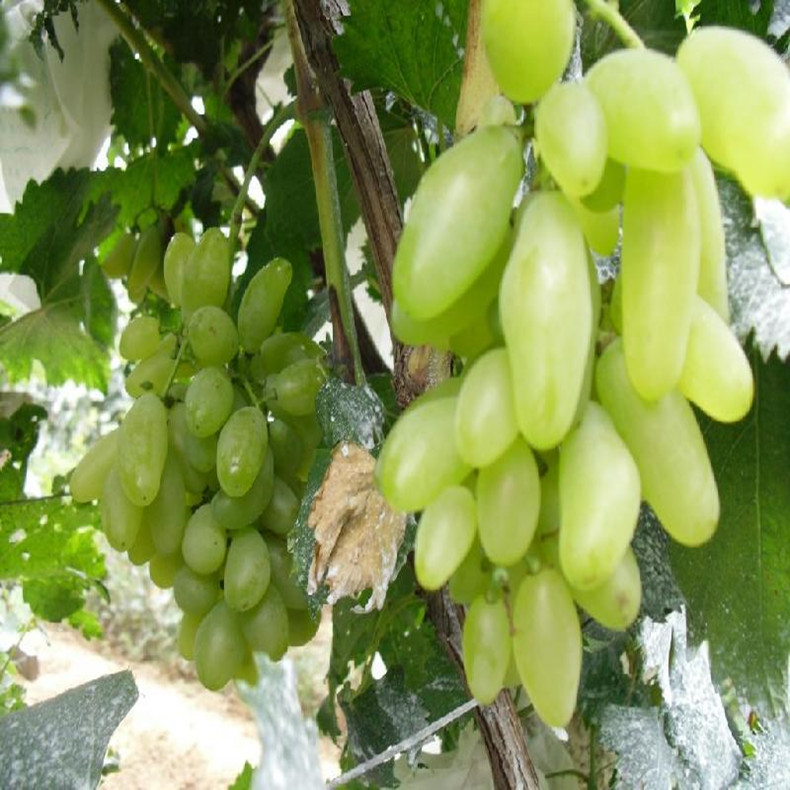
247, 570
281, 564
651, 116
287, 448
614, 603
167, 515
140, 338
609, 192
248, 670
528, 44
238, 512
616, 305
712, 284
601, 228
204, 541
212, 336
178, 251
742, 89
547, 645
446, 222
280, 514
195, 594
660, 269
599, 500
570, 131
147, 259
187, 630
419, 459
118, 261
444, 536
497, 111
301, 627
219, 647
87, 479
162, 569
206, 275
293, 389
279, 351
120, 517
670, 453
589, 370
178, 436
201, 452
143, 547
265, 626
549, 514
153, 373
309, 431
485, 419
487, 648
158, 286
472, 577
544, 303
142, 449
209, 401
474, 340
240, 450
716, 373
262, 302
508, 502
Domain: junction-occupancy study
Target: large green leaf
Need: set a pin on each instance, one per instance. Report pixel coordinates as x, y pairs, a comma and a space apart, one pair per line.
18, 438
413, 49
738, 585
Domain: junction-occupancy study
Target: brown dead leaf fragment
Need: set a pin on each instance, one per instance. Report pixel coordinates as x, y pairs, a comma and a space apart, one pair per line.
357, 534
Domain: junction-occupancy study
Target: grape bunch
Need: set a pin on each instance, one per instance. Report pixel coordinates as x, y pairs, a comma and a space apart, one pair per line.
204, 477
529, 468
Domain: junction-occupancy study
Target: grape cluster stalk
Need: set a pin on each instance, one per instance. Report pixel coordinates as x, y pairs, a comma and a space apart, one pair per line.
204, 476
530, 466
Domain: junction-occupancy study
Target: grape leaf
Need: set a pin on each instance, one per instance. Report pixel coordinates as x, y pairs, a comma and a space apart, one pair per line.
244, 780
62, 742
412, 49
349, 413
758, 259
18, 437
754, 17
738, 585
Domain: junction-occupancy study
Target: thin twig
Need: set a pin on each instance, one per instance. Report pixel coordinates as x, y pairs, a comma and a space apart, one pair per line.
11, 502
610, 13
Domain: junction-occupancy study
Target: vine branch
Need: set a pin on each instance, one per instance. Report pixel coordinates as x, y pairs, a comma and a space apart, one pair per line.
608, 11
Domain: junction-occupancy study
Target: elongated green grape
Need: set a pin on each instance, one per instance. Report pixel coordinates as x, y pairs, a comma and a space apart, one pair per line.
670, 453
240, 450
418, 460
281, 565
162, 568
147, 259
279, 351
201, 452
508, 502
444, 536
742, 88
206, 275
589, 369
712, 284
261, 304
660, 269
599, 500
143, 547
570, 130
287, 448
167, 515
293, 389
487, 648
472, 577
474, 340
283, 507
178, 251
487, 162
528, 44
601, 228
140, 338
609, 191
239, 512
209, 401
87, 479
651, 116
301, 627
549, 515
212, 336
265, 626
716, 373
119, 260
614, 603
153, 373
219, 647
247, 570
485, 419
547, 645
544, 304
142, 449
178, 437
187, 630
203, 545
120, 517
194, 593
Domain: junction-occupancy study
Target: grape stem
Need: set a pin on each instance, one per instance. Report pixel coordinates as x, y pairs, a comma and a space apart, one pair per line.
608, 11
174, 369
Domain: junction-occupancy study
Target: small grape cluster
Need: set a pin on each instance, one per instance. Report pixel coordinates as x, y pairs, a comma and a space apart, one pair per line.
204, 476
530, 467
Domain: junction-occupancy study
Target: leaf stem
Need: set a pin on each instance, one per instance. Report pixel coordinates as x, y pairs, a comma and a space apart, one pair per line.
608, 11
25, 501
